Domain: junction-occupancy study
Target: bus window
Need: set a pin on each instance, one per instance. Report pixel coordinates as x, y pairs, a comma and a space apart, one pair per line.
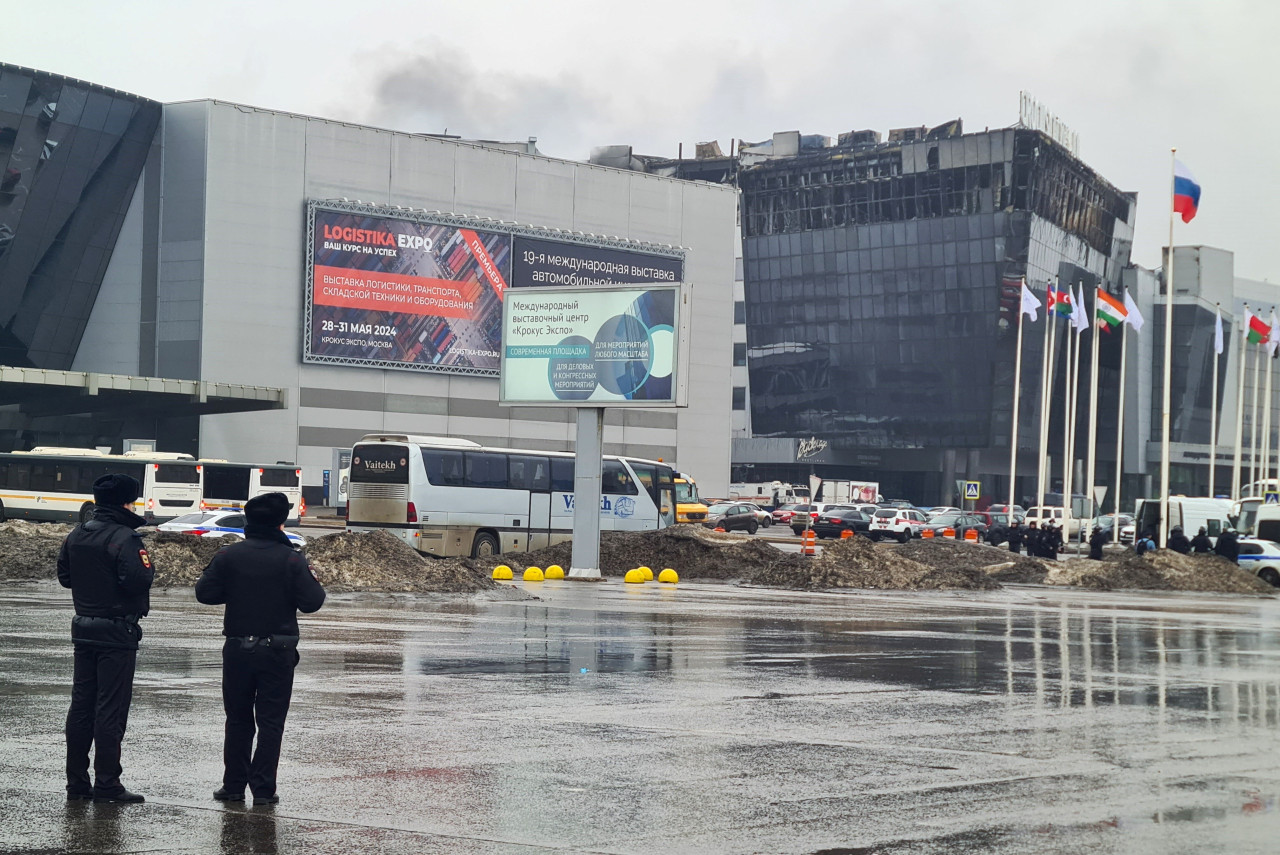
562, 474
647, 474
279, 478
529, 473
614, 480
68, 479
174, 473
444, 468
485, 469
44, 477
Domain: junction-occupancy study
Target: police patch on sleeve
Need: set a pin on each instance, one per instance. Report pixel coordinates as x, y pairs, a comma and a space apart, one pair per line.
146, 559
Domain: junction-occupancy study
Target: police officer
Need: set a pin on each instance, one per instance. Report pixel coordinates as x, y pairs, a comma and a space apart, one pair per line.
1178, 541
264, 582
1228, 546
1200, 544
109, 573
1096, 541
1014, 534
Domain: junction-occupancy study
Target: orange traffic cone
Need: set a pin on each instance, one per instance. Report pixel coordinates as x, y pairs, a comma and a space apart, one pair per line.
807, 542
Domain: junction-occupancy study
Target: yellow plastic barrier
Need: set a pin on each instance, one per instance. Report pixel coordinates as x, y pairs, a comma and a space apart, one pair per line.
634, 577
669, 576
502, 571
648, 574
555, 571
533, 574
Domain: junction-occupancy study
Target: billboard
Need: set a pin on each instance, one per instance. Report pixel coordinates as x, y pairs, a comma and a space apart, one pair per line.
403, 292
593, 346
393, 289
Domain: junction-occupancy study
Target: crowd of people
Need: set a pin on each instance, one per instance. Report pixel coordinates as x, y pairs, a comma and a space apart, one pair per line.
1047, 541
1041, 542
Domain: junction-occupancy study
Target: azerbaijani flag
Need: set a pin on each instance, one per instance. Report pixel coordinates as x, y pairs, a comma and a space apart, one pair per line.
1111, 312
1259, 331
1060, 301
1186, 192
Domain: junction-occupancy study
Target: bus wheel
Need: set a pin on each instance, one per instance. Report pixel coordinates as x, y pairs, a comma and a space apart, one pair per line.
86, 512
485, 545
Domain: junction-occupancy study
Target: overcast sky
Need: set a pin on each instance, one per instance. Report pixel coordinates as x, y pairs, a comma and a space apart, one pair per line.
1131, 78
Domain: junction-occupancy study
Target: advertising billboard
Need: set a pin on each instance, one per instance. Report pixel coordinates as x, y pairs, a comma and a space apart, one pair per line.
593, 346
406, 293
425, 292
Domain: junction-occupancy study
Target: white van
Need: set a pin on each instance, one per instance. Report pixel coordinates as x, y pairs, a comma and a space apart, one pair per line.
1191, 513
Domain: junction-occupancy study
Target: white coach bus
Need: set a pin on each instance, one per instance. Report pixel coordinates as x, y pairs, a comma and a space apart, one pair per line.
452, 497
56, 484
227, 486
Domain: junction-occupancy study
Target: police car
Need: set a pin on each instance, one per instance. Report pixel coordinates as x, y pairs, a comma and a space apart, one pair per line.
217, 524
1262, 559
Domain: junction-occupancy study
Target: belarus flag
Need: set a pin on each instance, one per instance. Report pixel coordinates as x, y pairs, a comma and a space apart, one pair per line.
1186, 192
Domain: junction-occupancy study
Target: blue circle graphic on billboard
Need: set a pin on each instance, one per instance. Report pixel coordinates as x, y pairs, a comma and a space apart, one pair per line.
623, 354
572, 377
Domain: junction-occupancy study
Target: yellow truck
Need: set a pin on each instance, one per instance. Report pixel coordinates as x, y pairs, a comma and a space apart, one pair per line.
689, 506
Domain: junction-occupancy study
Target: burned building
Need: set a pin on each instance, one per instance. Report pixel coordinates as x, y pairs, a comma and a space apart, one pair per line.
880, 286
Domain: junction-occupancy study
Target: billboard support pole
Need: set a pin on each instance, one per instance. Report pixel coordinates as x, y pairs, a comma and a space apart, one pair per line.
584, 561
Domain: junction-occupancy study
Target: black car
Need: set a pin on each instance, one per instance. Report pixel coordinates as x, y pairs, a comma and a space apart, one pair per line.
835, 522
960, 523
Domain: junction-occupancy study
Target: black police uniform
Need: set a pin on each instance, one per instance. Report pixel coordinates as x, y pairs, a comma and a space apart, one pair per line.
1015, 535
264, 582
1201, 544
1178, 542
107, 568
1096, 542
1228, 546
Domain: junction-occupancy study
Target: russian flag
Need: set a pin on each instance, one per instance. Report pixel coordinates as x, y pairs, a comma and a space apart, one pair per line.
1186, 192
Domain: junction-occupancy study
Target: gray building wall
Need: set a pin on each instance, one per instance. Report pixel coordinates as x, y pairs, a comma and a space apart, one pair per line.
231, 289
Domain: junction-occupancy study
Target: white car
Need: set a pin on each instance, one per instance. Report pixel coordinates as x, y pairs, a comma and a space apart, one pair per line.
217, 524
1262, 559
897, 523
941, 509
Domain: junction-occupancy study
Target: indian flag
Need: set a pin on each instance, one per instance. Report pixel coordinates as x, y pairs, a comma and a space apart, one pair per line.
1259, 330
1111, 312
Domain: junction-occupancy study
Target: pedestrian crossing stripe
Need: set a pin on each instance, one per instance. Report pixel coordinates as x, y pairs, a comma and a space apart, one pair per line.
972, 490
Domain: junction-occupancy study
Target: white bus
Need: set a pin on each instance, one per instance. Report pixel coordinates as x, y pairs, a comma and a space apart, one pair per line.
229, 485
56, 484
451, 497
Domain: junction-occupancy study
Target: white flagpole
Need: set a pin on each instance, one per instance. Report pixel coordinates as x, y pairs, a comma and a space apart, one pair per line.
1254, 426
1017, 395
1168, 372
1243, 334
1046, 390
1093, 410
1115, 525
1213, 420
1066, 428
1266, 416
1069, 490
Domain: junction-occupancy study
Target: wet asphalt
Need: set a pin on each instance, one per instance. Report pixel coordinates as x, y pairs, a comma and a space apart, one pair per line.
611, 718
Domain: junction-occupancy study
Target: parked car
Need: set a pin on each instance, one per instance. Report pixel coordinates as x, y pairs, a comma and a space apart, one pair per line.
997, 525
1107, 521
904, 504
733, 516
1261, 558
784, 514
941, 509
217, 524
765, 518
836, 522
814, 510
899, 523
1019, 512
960, 523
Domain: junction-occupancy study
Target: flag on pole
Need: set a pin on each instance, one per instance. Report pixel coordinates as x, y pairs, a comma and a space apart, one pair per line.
1274, 338
1134, 317
1186, 192
1030, 303
1079, 321
1259, 332
1111, 312
1060, 301
1217, 334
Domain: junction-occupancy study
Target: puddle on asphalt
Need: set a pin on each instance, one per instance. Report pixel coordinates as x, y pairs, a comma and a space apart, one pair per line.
1073, 656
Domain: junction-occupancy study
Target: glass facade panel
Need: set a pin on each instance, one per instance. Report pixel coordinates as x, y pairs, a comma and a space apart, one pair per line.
70, 156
